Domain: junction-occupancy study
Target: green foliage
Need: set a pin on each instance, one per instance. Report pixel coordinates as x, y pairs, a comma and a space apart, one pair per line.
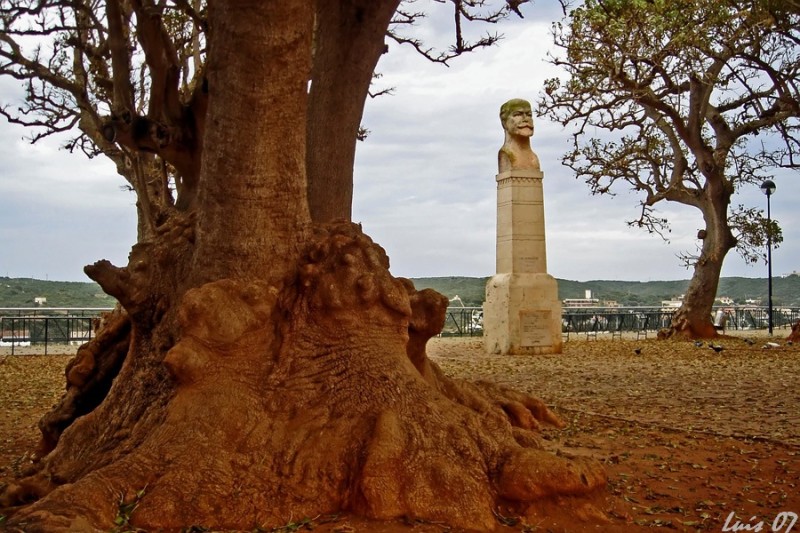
20, 292
786, 290
472, 290
124, 512
753, 231
291, 527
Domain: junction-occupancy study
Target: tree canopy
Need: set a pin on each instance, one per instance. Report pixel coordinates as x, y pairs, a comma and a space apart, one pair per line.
682, 101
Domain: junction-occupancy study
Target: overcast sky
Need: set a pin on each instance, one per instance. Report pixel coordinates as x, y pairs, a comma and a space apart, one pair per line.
424, 182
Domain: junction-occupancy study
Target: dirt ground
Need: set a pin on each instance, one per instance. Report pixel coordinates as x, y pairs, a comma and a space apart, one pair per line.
693, 439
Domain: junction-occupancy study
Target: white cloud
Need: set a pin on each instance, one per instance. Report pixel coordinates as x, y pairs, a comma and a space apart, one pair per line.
59, 211
424, 182
425, 185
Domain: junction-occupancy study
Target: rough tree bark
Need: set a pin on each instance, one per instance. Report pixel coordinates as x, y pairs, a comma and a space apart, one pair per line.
794, 336
344, 30
693, 319
275, 367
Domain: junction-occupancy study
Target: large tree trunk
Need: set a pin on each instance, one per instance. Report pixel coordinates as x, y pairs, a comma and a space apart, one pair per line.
253, 183
794, 336
277, 369
348, 42
693, 319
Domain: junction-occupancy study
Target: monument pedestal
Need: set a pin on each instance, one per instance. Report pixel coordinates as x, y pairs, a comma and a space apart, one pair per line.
522, 315
522, 312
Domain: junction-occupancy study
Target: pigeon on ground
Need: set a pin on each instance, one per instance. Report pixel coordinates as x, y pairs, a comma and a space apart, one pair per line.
716, 348
771, 345
637, 351
698, 343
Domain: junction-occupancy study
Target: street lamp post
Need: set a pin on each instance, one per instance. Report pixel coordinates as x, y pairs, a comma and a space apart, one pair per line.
768, 187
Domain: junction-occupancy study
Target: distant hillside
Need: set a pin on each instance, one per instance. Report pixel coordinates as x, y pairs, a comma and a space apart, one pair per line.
470, 290
20, 292
785, 291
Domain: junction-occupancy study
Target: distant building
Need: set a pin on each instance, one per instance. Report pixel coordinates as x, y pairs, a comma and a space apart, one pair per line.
725, 300
40, 300
587, 301
672, 304
753, 301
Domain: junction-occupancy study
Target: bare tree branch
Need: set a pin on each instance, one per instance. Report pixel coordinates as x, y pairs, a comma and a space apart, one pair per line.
473, 11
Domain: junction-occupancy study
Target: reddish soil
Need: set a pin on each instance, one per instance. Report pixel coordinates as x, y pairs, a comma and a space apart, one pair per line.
693, 439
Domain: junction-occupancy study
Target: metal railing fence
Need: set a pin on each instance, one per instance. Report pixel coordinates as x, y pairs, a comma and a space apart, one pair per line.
468, 321
28, 326
22, 326
463, 321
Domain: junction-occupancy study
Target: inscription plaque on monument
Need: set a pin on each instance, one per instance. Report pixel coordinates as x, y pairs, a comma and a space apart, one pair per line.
529, 264
534, 328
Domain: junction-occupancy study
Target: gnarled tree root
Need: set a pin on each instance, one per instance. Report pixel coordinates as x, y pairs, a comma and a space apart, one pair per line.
89, 375
794, 336
307, 400
686, 328
428, 312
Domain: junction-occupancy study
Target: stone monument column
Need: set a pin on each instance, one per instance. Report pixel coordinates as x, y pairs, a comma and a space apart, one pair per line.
522, 312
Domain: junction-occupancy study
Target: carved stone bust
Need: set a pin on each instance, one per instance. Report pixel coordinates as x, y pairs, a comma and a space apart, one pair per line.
516, 154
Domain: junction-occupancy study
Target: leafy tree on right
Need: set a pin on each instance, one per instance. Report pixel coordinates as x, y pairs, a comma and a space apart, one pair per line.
693, 99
